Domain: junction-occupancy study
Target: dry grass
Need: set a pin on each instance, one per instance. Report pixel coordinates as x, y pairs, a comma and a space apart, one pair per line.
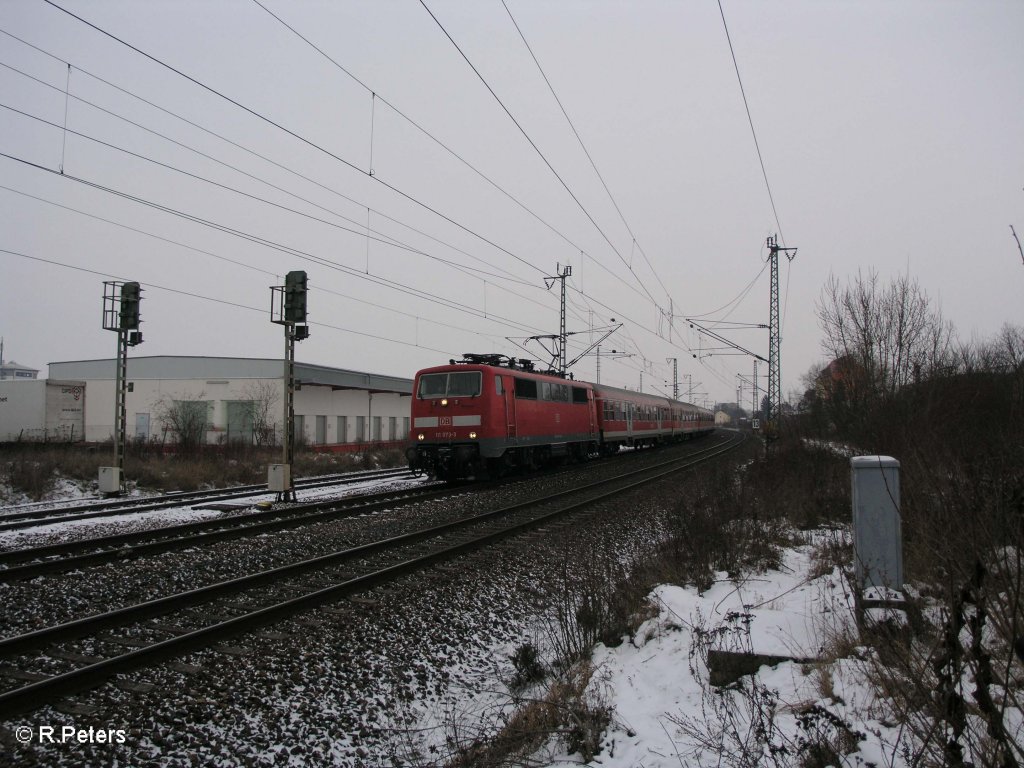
567, 712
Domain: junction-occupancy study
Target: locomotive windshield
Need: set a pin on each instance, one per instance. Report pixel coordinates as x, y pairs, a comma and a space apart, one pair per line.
461, 384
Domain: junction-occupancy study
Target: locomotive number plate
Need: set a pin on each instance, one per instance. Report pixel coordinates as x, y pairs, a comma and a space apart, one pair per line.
444, 435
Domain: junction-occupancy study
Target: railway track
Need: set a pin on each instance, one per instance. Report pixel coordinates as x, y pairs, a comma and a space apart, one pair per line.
248, 602
30, 562
33, 518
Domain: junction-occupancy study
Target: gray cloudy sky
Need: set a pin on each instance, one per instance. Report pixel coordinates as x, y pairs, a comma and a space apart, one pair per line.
890, 132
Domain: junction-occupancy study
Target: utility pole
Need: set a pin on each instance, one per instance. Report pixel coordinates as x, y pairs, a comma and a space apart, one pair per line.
120, 314
675, 376
774, 376
288, 308
561, 274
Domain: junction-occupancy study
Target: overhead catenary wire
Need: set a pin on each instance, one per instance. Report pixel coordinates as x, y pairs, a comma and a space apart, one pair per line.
233, 143
750, 120
192, 294
360, 232
259, 116
643, 326
399, 287
537, 149
389, 240
254, 268
583, 146
378, 97
757, 146
596, 171
293, 134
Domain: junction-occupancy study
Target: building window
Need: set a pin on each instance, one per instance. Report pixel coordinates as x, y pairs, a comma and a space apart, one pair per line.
392, 427
342, 429
376, 429
405, 427
360, 429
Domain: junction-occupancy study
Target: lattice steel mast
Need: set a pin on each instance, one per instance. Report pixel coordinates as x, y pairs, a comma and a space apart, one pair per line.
561, 274
774, 375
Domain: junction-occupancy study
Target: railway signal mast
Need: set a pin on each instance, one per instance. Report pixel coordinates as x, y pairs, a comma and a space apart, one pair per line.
120, 314
288, 308
774, 377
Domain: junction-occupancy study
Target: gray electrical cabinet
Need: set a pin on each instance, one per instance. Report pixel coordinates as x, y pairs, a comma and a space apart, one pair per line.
877, 540
279, 478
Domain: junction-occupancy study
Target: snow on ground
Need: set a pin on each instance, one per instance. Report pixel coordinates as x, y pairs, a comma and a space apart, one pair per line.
105, 526
658, 681
186, 513
65, 491
839, 449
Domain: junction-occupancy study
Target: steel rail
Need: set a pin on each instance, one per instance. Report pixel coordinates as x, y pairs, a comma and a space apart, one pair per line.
26, 698
17, 520
122, 546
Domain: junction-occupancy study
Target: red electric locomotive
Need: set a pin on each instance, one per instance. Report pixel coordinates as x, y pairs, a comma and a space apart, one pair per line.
489, 413
477, 416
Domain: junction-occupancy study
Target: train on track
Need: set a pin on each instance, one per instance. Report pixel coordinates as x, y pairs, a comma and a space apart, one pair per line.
487, 414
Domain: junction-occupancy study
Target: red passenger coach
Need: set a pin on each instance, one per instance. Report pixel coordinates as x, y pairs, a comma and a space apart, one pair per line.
630, 418
490, 413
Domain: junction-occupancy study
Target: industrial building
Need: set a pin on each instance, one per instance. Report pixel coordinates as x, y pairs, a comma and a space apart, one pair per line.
241, 399
12, 370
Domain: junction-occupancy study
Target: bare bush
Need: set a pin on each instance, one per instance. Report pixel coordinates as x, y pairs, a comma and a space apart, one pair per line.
741, 726
953, 416
29, 475
262, 398
187, 417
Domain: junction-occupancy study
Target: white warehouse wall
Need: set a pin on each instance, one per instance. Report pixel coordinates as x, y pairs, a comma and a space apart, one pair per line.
22, 408
146, 395
331, 405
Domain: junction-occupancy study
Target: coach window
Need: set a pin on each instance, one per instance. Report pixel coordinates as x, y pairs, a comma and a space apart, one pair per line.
544, 390
579, 395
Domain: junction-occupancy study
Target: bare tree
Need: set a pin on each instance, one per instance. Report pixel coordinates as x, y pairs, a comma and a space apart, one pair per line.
263, 397
886, 335
187, 417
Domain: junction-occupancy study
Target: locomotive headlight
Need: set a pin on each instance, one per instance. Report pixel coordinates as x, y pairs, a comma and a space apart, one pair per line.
444, 401
420, 436
472, 435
